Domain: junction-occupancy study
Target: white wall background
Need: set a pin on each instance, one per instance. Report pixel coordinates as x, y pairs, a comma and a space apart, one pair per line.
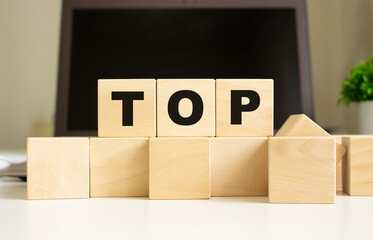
29, 42
340, 36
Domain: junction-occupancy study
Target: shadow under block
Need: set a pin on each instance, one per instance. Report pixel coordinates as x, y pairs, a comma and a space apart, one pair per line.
57, 168
239, 166
300, 125
358, 166
119, 167
301, 170
187, 101
179, 168
112, 110
233, 96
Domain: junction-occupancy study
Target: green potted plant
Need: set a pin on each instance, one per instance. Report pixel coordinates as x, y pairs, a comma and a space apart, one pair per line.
358, 87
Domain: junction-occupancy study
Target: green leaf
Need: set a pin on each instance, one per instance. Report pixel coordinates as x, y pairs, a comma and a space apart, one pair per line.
359, 85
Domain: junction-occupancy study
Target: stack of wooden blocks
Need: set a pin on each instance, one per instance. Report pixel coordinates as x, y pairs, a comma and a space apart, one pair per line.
193, 139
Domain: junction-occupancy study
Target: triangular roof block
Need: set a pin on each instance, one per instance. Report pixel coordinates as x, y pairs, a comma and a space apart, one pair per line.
300, 125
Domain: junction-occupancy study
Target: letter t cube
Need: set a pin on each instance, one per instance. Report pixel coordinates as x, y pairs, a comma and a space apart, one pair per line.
126, 108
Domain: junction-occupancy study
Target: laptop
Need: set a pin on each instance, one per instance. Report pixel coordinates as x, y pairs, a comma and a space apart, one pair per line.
103, 39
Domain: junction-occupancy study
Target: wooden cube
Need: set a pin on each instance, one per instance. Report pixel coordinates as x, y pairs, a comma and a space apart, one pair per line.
301, 170
244, 107
119, 167
57, 168
185, 107
179, 168
338, 176
299, 125
239, 166
339, 165
358, 166
126, 108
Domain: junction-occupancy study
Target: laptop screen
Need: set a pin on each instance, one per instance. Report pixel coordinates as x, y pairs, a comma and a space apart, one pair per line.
181, 43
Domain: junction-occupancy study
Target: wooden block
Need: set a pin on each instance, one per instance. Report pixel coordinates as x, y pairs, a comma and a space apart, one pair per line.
300, 125
57, 168
301, 170
185, 107
119, 167
239, 166
126, 108
358, 166
339, 176
339, 166
244, 107
179, 168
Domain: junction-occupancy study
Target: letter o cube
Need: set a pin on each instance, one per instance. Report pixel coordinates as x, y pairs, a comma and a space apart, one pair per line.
185, 107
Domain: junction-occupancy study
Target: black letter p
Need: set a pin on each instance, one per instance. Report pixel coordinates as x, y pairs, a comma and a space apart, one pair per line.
236, 104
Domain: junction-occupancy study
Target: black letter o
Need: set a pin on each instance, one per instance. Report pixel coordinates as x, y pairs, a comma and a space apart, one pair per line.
173, 107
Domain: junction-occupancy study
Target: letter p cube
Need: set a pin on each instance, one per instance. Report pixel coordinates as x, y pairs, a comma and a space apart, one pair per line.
244, 107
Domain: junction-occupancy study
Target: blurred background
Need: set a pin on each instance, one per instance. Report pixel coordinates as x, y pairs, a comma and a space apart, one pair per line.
340, 37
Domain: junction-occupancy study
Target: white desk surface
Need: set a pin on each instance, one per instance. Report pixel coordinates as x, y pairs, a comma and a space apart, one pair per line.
217, 218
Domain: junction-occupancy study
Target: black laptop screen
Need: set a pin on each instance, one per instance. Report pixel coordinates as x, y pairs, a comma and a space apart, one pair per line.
182, 43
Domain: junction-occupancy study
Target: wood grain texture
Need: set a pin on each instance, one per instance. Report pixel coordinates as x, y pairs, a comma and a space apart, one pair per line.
179, 168
119, 167
301, 170
205, 126
299, 125
258, 123
110, 111
57, 168
346, 166
358, 166
339, 166
239, 166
